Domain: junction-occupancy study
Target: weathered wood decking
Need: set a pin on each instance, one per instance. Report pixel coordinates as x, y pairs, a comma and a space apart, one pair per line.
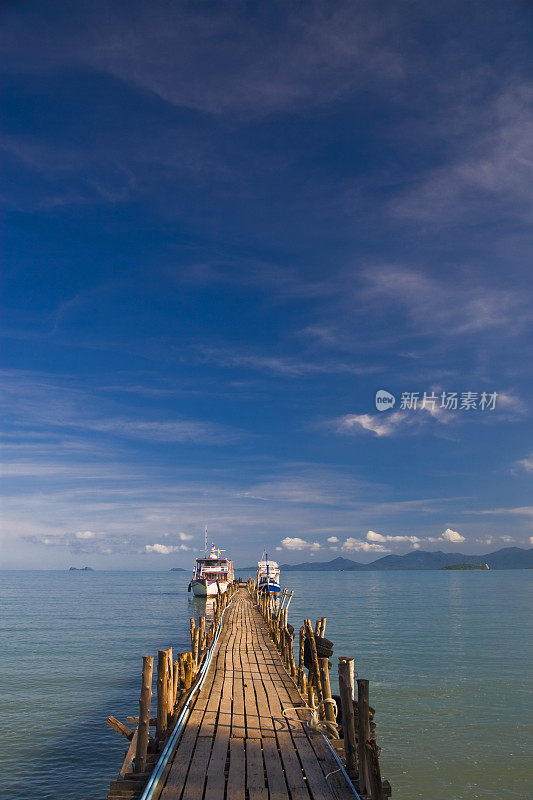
237, 744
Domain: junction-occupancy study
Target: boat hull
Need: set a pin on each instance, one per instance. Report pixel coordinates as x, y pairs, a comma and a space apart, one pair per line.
272, 587
203, 588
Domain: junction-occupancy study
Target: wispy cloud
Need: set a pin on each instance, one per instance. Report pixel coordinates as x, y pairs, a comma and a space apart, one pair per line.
526, 463
207, 59
288, 366
494, 170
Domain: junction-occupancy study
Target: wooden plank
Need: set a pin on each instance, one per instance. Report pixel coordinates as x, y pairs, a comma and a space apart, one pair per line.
277, 788
237, 767
196, 778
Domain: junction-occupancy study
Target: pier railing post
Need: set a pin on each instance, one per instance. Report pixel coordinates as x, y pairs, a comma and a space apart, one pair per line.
143, 732
346, 690
363, 732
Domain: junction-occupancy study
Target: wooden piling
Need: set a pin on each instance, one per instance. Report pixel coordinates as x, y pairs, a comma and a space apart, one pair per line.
119, 727
162, 688
346, 690
196, 646
363, 732
374, 771
170, 682
143, 731
329, 711
202, 633
314, 659
301, 650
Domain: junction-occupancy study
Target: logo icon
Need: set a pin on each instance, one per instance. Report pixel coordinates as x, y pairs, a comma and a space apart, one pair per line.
384, 400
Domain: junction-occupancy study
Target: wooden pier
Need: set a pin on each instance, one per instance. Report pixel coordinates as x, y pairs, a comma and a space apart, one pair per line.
241, 726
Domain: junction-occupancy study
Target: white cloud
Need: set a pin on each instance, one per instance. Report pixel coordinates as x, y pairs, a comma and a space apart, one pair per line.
452, 536
352, 545
526, 463
381, 426
524, 511
164, 549
333, 539
85, 535
294, 543
372, 536
186, 537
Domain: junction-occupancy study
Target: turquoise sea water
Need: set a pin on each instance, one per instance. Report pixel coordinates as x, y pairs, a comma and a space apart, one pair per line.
448, 657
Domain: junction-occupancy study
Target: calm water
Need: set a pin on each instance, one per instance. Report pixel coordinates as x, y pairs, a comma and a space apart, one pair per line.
447, 655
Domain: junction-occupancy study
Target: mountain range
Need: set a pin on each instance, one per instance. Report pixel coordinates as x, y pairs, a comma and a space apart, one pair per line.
506, 558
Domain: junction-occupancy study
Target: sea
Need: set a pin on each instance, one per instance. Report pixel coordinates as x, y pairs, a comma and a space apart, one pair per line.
448, 656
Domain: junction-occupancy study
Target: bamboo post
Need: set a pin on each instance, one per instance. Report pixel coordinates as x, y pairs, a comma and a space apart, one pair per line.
314, 659
374, 771
175, 683
202, 633
329, 712
143, 731
196, 646
162, 687
317, 627
170, 682
346, 689
362, 733
188, 671
292, 663
322, 626
310, 692
303, 685
301, 657
192, 626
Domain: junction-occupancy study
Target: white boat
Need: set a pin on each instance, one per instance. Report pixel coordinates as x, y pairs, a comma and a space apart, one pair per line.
268, 575
212, 574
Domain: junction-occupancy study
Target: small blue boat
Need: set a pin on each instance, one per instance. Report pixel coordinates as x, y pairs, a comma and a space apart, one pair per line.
268, 576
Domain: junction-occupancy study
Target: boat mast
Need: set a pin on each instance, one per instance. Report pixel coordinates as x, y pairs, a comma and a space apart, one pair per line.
205, 541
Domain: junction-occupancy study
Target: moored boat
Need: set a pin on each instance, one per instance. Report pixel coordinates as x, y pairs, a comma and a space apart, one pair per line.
268, 575
212, 574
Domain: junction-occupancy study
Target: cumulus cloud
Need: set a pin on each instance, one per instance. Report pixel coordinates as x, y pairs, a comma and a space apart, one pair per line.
333, 539
185, 537
452, 536
352, 545
372, 536
85, 535
295, 543
164, 549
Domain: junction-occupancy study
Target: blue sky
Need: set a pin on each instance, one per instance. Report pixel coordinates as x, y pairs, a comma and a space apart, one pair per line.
226, 226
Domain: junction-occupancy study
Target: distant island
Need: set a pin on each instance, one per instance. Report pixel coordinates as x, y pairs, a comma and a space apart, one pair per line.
81, 569
506, 558
467, 566
177, 569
